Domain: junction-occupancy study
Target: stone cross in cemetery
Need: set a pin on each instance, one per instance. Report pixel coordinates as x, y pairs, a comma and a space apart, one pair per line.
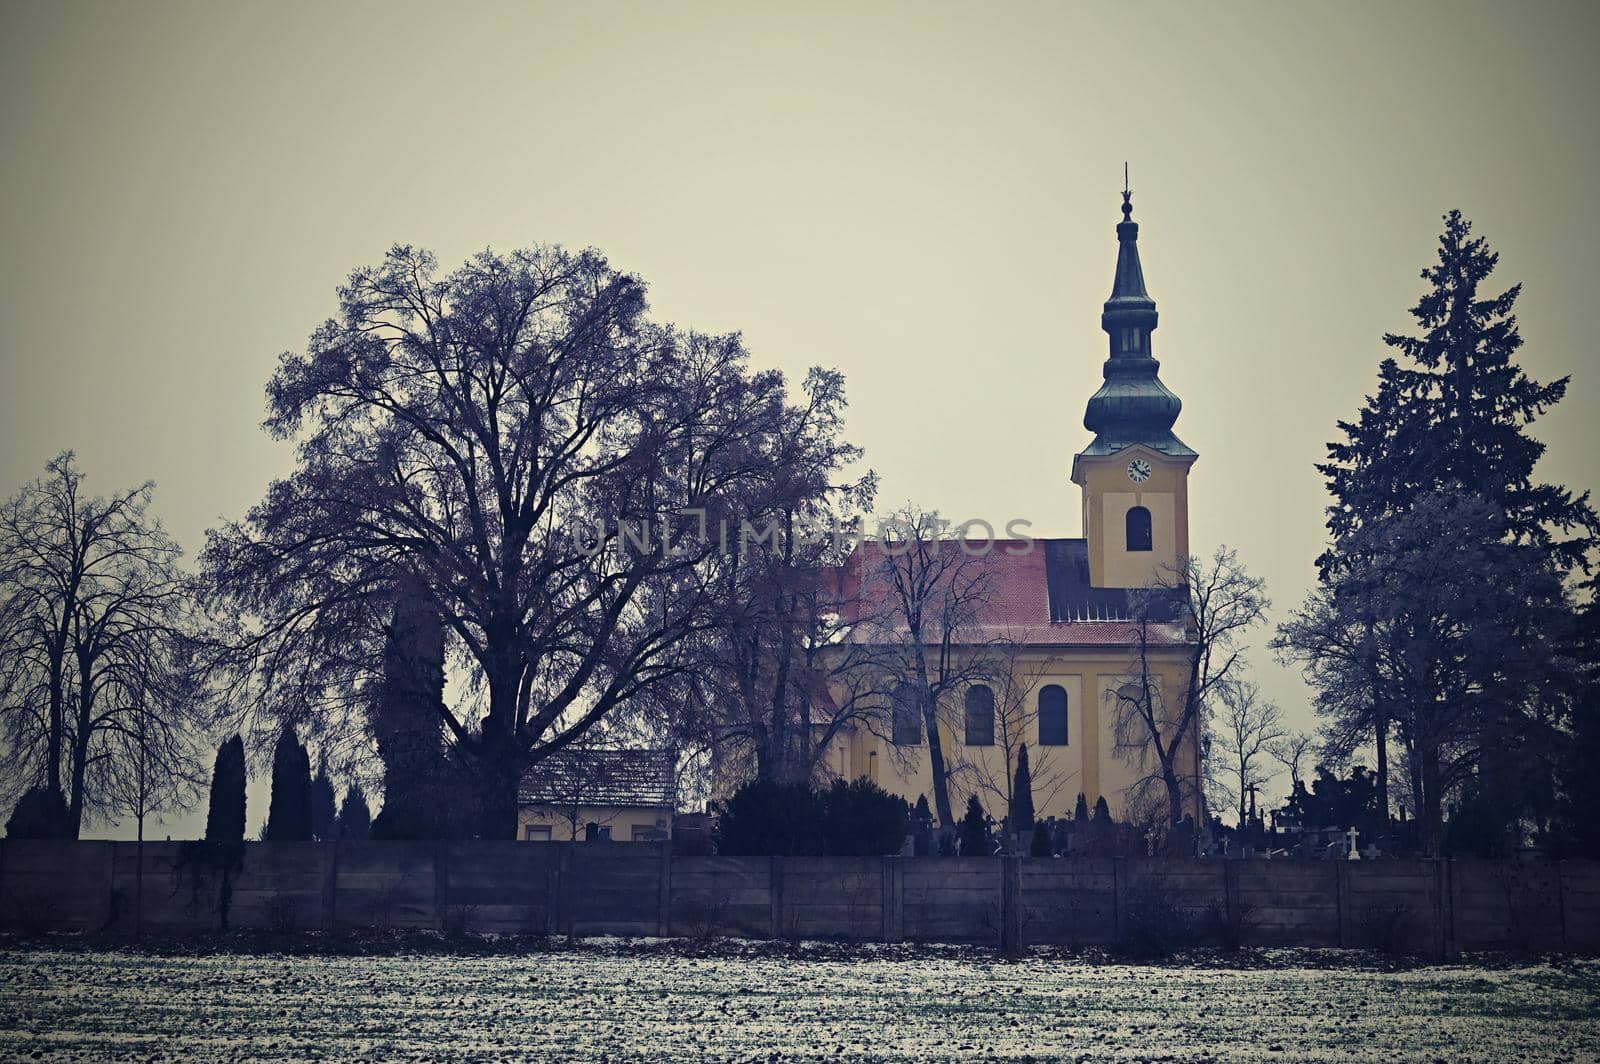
1354, 854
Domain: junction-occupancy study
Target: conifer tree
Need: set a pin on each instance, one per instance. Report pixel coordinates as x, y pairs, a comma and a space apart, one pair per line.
289, 814
324, 805
974, 834
1454, 415
1080, 811
1020, 814
225, 815
1450, 416
355, 818
407, 719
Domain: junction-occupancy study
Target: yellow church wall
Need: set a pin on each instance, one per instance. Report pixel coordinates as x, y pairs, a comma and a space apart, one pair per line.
1088, 763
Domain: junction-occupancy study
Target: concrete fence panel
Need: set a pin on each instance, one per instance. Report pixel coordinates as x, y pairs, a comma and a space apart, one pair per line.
638, 889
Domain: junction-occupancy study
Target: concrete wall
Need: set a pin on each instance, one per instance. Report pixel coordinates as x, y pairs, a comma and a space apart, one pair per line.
1433, 907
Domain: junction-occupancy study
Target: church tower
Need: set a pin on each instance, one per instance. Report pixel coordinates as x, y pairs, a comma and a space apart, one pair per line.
1135, 473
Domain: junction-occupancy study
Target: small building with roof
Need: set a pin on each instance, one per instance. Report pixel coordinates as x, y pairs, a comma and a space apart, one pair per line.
591, 794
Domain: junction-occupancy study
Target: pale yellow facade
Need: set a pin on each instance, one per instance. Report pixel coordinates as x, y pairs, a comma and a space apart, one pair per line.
1090, 762
542, 823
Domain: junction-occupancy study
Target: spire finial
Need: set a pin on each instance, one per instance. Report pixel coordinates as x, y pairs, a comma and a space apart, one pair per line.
1127, 195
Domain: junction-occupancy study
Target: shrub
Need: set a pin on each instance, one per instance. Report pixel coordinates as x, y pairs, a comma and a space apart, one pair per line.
765, 817
41, 813
861, 819
1155, 925
1039, 845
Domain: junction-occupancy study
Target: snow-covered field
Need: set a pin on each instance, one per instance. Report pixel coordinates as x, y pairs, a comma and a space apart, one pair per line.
617, 1004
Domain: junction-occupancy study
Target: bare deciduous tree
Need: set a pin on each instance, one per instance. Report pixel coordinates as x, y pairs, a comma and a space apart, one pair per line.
1291, 751
936, 589
1202, 609
1247, 730
94, 645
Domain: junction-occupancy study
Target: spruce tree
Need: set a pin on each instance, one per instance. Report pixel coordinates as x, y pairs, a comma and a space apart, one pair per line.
324, 805
225, 812
1450, 415
1454, 415
289, 814
1021, 812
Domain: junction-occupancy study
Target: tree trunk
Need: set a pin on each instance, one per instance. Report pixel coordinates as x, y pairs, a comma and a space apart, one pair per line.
936, 766
1169, 775
1382, 737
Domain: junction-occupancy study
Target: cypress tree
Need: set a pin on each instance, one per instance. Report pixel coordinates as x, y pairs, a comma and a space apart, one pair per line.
975, 841
1021, 812
289, 815
1080, 811
324, 805
355, 819
225, 812
407, 720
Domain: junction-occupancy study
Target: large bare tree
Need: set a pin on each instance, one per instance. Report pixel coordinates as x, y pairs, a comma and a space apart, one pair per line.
1202, 610
522, 441
780, 673
935, 588
94, 647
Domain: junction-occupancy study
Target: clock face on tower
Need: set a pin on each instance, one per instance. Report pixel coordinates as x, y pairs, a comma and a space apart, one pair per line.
1138, 471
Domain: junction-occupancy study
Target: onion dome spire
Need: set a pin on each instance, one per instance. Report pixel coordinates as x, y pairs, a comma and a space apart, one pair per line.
1132, 406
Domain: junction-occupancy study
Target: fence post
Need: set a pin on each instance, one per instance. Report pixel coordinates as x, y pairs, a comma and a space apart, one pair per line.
441, 885
1342, 871
1119, 887
1561, 899
1230, 894
552, 890
664, 896
330, 883
775, 891
1010, 905
893, 878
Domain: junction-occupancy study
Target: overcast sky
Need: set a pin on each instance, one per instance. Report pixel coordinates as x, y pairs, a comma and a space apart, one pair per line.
921, 195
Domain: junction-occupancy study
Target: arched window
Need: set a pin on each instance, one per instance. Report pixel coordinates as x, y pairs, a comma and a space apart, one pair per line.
1053, 716
1138, 528
980, 715
907, 715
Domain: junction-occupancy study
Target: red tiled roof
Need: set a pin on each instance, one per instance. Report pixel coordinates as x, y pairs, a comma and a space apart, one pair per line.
1036, 592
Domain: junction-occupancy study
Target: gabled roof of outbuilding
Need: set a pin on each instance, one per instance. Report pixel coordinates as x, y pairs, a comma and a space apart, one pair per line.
634, 778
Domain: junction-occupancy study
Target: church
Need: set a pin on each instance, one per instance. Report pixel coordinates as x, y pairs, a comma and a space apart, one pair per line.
1056, 621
